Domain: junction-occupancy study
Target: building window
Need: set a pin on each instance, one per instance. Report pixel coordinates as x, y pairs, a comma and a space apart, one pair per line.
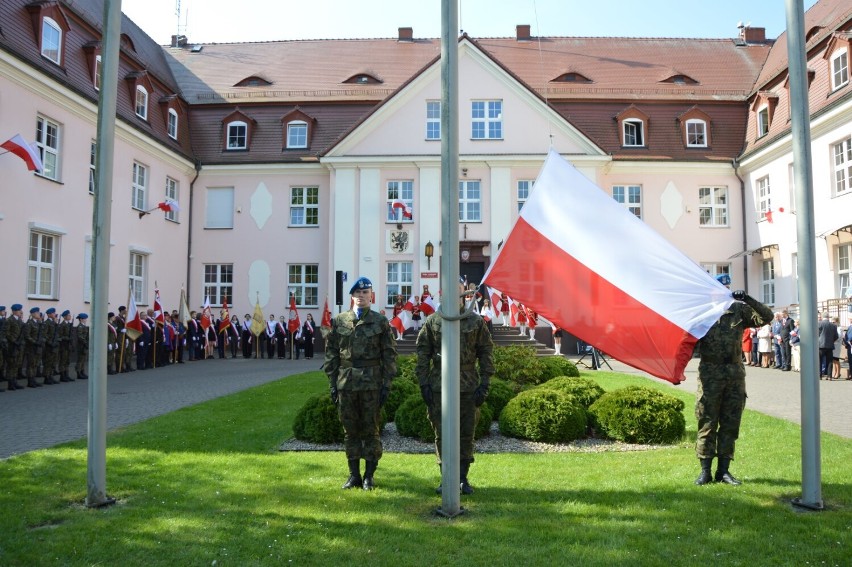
138, 272
220, 207
433, 120
843, 167
713, 206
173, 124
41, 277
400, 191
47, 140
839, 69
763, 121
487, 120
399, 282
304, 206
764, 202
524, 188
844, 270
219, 283
634, 132
297, 134
767, 284
51, 40
237, 135
630, 196
172, 192
469, 201
140, 186
97, 72
716, 269
303, 283
93, 172
696, 134
141, 102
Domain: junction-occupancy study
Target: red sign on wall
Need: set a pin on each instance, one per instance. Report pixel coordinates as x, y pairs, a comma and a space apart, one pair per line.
426, 275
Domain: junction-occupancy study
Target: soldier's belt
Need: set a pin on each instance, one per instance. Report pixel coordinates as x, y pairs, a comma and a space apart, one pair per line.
360, 363
720, 360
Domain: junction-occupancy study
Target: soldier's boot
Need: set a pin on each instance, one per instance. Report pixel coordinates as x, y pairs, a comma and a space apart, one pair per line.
706, 477
68, 378
441, 476
464, 485
49, 381
13, 385
32, 382
63, 377
354, 474
723, 475
81, 375
369, 470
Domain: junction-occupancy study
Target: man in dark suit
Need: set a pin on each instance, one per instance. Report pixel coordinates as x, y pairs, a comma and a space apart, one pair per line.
787, 326
827, 337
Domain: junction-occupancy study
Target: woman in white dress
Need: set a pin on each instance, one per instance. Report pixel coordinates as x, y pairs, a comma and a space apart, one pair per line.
764, 345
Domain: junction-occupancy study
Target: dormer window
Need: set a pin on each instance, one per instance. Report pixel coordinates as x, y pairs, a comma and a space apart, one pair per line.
298, 128
97, 72
837, 57
141, 90
364, 79
633, 124
762, 121
764, 109
572, 77
172, 125
695, 128
50, 28
680, 79
127, 43
51, 40
253, 81
142, 102
237, 131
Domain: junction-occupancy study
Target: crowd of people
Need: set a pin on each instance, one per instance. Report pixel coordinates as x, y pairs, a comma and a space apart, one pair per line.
777, 345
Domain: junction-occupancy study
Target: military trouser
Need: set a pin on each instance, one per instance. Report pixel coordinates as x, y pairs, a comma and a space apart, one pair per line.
64, 357
111, 357
82, 361
360, 413
468, 418
48, 361
2, 362
13, 364
33, 357
719, 405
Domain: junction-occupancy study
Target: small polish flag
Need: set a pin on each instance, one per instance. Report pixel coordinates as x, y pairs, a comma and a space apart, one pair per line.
168, 205
18, 146
427, 305
406, 210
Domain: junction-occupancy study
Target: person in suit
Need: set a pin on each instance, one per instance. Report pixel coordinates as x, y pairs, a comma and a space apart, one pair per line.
828, 335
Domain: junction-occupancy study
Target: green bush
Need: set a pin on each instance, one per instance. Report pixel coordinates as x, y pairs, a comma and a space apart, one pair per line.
518, 364
543, 415
405, 364
499, 395
557, 366
412, 419
317, 421
401, 389
637, 414
585, 390
486, 417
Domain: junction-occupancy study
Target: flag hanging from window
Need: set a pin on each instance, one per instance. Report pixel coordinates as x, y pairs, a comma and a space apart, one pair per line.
18, 146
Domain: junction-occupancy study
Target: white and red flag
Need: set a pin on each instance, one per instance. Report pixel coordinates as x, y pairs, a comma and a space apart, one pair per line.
133, 327
427, 305
404, 320
18, 146
325, 322
168, 206
293, 323
206, 314
406, 210
226, 317
593, 268
158, 308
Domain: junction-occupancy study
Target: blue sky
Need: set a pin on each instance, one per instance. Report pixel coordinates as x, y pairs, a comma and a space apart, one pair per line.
208, 21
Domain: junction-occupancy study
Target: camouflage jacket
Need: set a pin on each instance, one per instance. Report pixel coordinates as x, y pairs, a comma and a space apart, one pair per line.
360, 354
13, 333
63, 334
723, 342
476, 346
50, 333
33, 333
82, 332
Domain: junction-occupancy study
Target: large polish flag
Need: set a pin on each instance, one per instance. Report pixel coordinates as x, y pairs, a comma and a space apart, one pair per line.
593, 268
427, 306
404, 319
19, 146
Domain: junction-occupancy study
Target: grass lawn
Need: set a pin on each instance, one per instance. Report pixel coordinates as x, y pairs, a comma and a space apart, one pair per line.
207, 486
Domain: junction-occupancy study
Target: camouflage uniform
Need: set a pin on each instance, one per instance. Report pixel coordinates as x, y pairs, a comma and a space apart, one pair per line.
63, 335
49, 351
34, 342
112, 348
721, 395
360, 360
13, 336
2, 348
476, 345
82, 336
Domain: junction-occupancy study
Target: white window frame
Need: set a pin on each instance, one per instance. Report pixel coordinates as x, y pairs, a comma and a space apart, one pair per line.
93, 171
173, 124
470, 200
48, 134
843, 269
137, 275
303, 283
634, 132
235, 136
297, 134
141, 104
763, 193
399, 190
839, 68
304, 206
525, 186
139, 195
696, 133
433, 119
219, 211
49, 30
713, 207
630, 197
486, 120
399, 281
716, 269
173, 193
219, 283
842, 164
98, 63
767, 281
762, 121
42, 265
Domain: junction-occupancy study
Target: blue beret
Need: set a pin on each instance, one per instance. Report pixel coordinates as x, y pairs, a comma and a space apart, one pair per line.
17, 307
33, 310
724, 279
50, 310
361, 283
122, 308
66, 312
110, 314
2, 308
82, 316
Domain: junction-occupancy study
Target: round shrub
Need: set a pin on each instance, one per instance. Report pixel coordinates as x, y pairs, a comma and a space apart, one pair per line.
637, 414
499, 395
317, 421
405, 364
585, 390
557, 366
486, 417
400, 390
412, 419
518, 364
543, 415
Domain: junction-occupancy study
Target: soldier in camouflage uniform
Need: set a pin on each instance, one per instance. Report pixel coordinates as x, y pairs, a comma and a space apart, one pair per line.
33, 344
51, 345
476, 346
112, 343
63, 334
2, 346
721, 395
360, 361
13, 337
82, 340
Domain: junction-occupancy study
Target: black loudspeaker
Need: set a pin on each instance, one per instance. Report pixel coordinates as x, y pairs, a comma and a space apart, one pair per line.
338, 287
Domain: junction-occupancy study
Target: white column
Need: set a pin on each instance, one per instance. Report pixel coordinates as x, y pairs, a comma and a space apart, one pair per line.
369, 248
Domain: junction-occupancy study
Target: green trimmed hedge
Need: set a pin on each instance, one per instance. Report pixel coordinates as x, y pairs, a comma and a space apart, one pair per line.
317, 421
405, 364
638, 414
554, 366
401, 389
499, 395
547, 415
412, 419
585, 390
518, 364
486, 417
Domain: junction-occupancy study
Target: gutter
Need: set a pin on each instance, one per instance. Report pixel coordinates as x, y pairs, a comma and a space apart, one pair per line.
735, 164
189, 232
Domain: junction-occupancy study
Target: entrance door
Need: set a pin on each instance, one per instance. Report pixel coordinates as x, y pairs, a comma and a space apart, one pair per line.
473, 270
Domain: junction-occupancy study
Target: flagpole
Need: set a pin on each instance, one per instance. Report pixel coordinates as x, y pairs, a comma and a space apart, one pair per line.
124, 338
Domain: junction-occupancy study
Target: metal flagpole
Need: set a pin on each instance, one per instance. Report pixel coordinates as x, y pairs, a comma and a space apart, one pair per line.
803, 179
101, 220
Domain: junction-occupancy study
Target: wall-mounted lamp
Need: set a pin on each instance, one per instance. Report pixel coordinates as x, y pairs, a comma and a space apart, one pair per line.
464, 172
429, 251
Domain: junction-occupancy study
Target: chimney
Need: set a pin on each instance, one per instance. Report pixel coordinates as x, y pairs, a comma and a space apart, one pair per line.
406, 34
523, 32
179, 41
753, 35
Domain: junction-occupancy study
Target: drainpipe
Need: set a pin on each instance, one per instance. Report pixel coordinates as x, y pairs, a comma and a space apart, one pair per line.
189, 232
736, 165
